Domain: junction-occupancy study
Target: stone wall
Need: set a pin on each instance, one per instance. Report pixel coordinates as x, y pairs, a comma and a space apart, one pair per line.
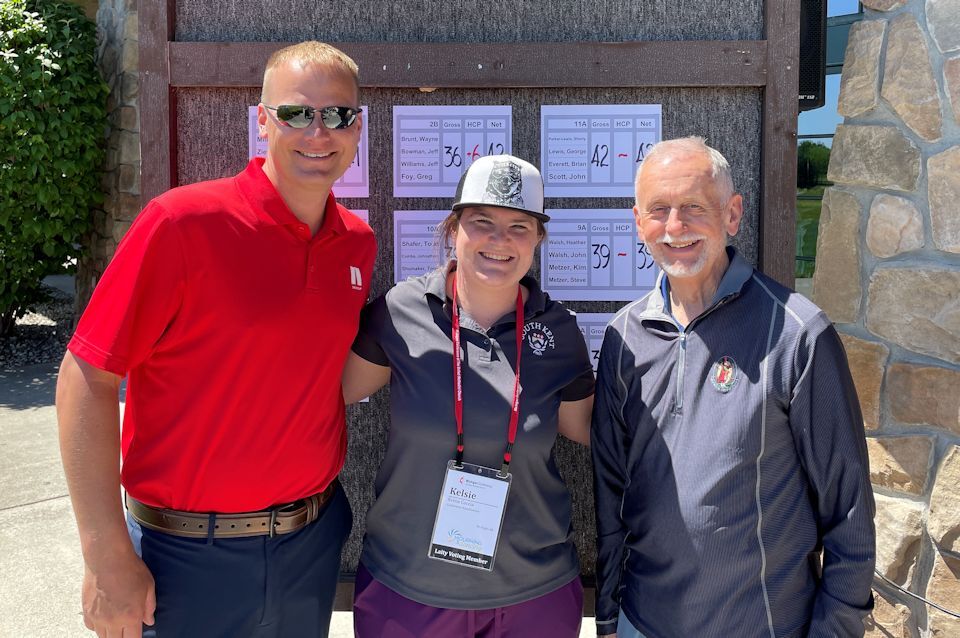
888, 274
117, 55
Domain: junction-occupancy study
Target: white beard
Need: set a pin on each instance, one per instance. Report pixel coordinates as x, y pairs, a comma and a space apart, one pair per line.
709, 252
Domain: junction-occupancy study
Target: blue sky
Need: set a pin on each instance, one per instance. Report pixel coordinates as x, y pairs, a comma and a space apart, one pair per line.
825, 118
841, 7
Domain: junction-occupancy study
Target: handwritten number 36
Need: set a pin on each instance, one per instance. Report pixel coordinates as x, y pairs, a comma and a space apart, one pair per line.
453, 156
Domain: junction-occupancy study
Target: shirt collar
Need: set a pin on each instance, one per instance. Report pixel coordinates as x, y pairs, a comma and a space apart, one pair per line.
436, 286
268, 204
737, 274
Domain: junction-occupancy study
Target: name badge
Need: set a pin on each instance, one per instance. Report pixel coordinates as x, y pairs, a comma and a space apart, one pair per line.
470, 515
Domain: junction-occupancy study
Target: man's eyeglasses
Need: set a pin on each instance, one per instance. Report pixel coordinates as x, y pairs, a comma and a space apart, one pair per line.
300, 116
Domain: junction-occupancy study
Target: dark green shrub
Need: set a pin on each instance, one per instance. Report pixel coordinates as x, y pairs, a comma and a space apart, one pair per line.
52, 123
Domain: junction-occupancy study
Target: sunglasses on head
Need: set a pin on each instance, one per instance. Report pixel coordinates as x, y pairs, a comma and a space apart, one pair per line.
300, 116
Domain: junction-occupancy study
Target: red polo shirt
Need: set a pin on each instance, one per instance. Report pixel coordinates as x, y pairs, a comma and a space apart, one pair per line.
232, 325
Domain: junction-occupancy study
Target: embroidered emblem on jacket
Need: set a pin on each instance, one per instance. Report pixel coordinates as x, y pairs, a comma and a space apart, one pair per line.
538, 337
724, 374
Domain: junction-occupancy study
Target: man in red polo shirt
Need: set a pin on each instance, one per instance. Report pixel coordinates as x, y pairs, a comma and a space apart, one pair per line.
230, 307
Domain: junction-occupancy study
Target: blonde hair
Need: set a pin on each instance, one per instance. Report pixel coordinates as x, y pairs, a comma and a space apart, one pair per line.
312, 52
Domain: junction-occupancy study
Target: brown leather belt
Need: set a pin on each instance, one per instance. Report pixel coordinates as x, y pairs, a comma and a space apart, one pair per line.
282, 519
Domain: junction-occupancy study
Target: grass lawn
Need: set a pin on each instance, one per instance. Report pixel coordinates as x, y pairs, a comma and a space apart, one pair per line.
816, 191
808, 221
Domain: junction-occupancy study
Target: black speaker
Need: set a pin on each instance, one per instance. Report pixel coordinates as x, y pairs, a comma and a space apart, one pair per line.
813, 53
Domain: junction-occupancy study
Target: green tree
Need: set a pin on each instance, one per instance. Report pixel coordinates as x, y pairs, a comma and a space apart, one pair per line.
52, 123
812, 162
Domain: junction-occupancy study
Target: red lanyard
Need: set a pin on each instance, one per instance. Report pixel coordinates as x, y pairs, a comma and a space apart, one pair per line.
458, 382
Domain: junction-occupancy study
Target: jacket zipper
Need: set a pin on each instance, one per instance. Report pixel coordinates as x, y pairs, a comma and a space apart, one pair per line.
682, 356
681, 363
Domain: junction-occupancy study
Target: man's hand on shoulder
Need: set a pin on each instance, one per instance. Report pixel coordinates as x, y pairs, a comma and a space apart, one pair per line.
118, 596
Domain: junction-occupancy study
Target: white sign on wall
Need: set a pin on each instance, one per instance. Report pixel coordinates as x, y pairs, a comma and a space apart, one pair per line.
594, 150
592, 326
434, 145
594, 255
415, 249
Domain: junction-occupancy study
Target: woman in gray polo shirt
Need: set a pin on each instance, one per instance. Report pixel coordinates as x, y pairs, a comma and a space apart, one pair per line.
470, 533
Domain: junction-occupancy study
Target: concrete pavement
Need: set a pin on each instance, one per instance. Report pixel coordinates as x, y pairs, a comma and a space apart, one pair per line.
40, 563
40, 566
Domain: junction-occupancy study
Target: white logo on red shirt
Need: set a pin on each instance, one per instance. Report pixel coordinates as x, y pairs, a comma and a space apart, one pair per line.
356, 279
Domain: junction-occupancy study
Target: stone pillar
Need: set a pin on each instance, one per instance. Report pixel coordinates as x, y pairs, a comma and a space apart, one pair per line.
89, 7
117, 56
888, 274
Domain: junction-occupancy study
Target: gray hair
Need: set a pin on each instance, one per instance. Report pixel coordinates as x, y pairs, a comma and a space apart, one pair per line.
693, 145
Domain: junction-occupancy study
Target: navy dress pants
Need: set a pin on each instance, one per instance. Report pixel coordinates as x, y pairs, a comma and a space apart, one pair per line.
258, 587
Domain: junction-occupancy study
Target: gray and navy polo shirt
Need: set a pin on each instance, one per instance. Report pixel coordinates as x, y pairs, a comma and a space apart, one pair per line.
727, 455
409, 330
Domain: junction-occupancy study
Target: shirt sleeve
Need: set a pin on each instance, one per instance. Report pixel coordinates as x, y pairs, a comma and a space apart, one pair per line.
368, 341
369, 256
608, 445
828, 430
137, 297
582, 385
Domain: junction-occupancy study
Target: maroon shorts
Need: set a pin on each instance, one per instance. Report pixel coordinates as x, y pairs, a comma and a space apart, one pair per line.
379, 611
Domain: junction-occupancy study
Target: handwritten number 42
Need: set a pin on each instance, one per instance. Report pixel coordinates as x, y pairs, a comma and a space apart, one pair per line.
642, 151
601, 154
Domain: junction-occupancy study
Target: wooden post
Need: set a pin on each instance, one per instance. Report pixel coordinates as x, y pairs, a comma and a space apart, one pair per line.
778, 154
158, 153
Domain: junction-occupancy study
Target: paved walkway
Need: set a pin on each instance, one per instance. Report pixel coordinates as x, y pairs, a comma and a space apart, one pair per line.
40, 564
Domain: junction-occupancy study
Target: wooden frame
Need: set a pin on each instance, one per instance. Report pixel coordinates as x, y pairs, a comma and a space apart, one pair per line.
771, 64
778, 154
521, 65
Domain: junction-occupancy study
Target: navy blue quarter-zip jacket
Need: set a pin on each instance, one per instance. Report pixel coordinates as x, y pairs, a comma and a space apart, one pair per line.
727, 456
